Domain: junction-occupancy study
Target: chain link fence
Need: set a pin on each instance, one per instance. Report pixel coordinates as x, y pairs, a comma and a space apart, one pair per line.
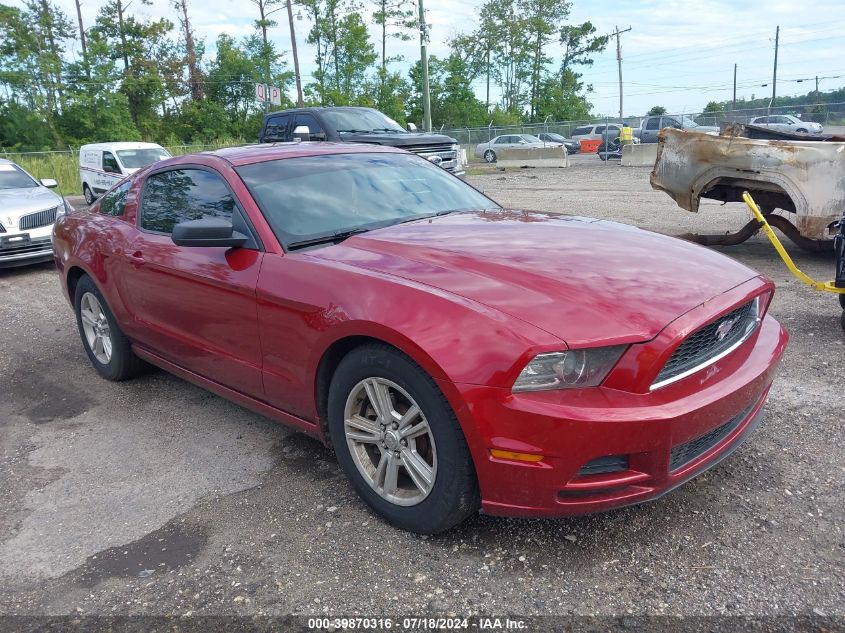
826, 114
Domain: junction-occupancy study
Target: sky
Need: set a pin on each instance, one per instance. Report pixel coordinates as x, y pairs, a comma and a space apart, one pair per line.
678, 54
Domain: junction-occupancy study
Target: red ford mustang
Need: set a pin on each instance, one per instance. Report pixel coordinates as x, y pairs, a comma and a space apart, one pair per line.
454, 354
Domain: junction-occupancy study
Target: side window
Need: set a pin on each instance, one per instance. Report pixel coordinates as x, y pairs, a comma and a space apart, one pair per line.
310, 121
580, 131
669, 122
110, 163
115, 200
276, 129
176, 196
501, 140
599, 129
653, 124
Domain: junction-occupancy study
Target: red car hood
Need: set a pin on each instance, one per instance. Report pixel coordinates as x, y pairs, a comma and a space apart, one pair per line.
583, 280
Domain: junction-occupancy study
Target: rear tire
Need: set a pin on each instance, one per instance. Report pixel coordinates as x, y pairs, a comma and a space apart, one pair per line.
406, 456
842, 301
89, 195
490, 156
108, 349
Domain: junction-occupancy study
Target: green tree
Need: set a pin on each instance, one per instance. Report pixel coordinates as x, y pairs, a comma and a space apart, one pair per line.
656, 111
511, 55
543, 20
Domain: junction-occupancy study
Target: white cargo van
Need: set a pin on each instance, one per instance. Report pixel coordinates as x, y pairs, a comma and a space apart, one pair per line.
103, 165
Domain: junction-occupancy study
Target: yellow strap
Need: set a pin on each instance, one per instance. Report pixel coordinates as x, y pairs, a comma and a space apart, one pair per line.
827, 286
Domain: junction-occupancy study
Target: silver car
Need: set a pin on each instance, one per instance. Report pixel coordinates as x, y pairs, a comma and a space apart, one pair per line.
488, 151
28, 210
786, 123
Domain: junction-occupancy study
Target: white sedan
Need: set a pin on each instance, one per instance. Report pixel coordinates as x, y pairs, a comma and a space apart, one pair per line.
28, 210
488, 151
786, 123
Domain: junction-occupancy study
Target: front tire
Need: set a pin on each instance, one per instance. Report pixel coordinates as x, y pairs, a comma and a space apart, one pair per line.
89, 195
108, 349
490, 156
399, 442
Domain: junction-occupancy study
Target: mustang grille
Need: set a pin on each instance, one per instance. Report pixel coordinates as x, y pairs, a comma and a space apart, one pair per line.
39, 219
709, 343
683, 454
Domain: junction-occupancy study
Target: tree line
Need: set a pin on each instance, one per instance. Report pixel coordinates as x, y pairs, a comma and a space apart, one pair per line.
133, 78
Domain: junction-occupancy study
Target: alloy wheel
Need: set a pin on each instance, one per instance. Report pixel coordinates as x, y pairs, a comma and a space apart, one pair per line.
95, 325
390, 441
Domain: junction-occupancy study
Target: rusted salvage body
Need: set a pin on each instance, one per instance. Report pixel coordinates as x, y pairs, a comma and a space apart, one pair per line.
806, 178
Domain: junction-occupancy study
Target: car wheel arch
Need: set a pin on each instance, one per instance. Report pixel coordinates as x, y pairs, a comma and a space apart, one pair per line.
334, 352
74, 274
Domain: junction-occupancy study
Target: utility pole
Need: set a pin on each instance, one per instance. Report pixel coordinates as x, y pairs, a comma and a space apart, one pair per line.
424, 64
817, 89
733, 104
299, 100
775, 71
82, 38
488, 78
617, 33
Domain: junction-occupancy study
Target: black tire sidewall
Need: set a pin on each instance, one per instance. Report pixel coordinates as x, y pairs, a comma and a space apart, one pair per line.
454, 495
491, 154
115, 368
89, 195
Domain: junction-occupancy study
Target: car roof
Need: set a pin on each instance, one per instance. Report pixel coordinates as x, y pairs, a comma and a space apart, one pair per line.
248, 154
120, 145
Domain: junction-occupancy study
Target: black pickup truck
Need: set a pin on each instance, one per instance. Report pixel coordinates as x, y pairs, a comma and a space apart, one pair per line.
361, 125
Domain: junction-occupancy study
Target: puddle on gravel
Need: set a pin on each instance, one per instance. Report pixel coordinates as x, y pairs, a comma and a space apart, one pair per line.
169, 547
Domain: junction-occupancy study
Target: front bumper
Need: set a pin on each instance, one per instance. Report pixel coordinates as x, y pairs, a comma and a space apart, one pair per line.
655, 441
22, 249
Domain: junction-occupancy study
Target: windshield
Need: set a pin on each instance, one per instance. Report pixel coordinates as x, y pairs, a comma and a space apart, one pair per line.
363, 120
531, 138
688, 122
312, 197
551, 136
137, 158
13, 177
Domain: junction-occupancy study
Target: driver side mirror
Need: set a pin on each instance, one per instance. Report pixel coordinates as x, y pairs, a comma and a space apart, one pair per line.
207, 232
411, 127
301, 133
49, 183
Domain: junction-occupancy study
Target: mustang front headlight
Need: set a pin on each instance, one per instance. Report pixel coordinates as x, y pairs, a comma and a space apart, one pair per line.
572, 369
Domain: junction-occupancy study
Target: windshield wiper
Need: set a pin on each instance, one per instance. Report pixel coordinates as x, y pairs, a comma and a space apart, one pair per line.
333, 238
354, 131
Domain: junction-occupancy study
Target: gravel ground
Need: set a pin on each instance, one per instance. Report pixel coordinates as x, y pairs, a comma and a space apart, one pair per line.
156, 497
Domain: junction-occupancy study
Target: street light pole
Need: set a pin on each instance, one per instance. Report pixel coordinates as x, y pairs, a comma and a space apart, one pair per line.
299, 101
424, 64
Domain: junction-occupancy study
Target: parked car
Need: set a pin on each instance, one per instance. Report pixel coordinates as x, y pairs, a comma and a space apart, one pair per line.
28, 209
787, 123
361, 125
651, 126
103, 165
572, 146
490, 150
596, 132
455, 354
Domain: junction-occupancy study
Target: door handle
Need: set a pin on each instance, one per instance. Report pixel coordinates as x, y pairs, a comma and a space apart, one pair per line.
137, 259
